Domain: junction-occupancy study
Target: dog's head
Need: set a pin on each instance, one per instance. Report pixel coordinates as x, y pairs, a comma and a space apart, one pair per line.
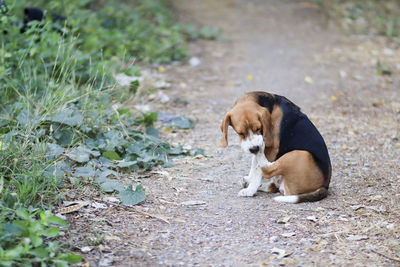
252, 123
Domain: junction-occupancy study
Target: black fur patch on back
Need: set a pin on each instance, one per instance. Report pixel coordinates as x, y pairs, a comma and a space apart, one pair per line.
299, 133
265, 100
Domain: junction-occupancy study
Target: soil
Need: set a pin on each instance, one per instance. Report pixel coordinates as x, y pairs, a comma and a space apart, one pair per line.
192, 215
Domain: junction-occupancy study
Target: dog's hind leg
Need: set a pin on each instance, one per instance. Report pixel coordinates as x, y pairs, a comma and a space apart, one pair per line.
271, 185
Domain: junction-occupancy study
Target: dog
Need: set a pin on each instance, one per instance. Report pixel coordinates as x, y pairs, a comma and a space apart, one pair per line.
285, 144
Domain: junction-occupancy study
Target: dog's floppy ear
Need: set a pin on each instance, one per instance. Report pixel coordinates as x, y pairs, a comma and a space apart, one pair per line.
267, 127
224, 129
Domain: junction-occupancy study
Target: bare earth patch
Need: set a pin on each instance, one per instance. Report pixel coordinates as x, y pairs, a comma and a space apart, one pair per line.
192, 214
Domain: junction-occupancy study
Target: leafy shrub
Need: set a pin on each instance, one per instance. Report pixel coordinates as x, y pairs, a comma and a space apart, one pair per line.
56, 112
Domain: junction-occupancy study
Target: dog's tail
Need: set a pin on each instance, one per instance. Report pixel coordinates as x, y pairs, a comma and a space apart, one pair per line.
316, 195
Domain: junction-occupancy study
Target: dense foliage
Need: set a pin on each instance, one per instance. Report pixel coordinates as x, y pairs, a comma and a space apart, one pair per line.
58, 111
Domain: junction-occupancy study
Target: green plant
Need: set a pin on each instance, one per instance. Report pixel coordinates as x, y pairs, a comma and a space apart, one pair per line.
27, 238
383, 69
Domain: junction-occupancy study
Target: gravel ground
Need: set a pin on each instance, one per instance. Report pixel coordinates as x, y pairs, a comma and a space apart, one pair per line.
192, 214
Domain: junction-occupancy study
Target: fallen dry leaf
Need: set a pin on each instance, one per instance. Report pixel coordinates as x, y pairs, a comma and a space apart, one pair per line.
308, 79
73, 208
86, 249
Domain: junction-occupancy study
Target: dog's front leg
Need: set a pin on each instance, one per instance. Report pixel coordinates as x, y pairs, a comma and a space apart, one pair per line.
258, 161
254, 181
255, 176
245, 180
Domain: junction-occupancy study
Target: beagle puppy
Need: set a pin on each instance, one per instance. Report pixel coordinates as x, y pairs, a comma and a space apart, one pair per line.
285, 144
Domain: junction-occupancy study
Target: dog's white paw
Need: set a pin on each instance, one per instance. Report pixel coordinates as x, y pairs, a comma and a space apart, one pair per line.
247, 192
244, 182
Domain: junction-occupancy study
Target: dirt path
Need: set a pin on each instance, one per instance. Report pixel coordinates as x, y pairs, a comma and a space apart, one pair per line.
272, 46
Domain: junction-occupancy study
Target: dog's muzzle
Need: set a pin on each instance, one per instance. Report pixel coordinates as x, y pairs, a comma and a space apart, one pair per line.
253, 143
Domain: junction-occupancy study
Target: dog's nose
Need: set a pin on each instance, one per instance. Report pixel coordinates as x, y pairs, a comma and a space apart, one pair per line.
254, 149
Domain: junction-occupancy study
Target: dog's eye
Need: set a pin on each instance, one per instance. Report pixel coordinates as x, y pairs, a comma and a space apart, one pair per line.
258, 130
241, 134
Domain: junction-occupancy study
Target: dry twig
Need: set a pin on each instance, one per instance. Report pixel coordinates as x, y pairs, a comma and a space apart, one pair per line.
386, 256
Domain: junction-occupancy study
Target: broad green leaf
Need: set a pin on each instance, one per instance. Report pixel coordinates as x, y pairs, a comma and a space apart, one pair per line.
40, 252
113, 139
54, 150
64, 135
95, 153
71, 258
67, 116
26, 118
135, 148
112, 185
7, 263
53, 171
111, 155
130, 197
182, 122
14, 253
62, 165
36, 226
51, 232
124, 164
12, 229
79, 154
150, 130
36, 241
148, 158
56, 220
84, 172
122, 111
23, 214
105, 162
113, 134
103, 174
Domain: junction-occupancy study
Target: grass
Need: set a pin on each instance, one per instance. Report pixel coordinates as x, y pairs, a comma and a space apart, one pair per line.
58, 121
368, 17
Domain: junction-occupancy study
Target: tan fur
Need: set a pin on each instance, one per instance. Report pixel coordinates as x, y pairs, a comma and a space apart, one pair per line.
245, 115
300, 173
276, 118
